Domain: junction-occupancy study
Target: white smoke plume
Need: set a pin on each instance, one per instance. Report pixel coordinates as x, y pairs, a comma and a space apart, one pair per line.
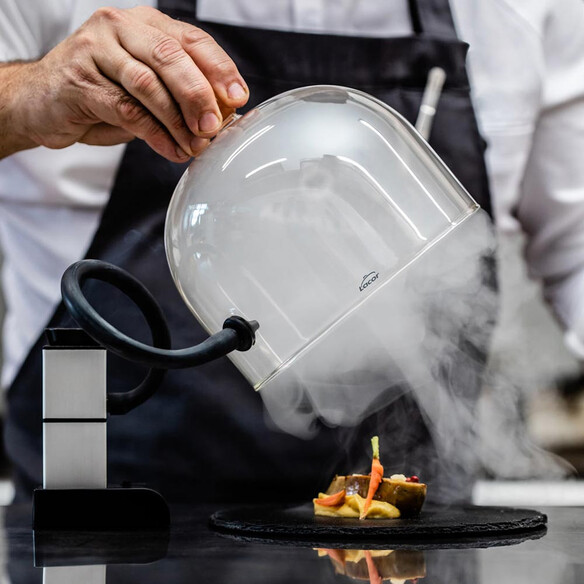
420, 344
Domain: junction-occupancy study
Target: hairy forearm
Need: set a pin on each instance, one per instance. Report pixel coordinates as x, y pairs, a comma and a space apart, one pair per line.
14, 80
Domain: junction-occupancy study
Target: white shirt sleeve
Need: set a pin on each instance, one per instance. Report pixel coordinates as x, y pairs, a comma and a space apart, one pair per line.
50, 200
30, 28
551, 205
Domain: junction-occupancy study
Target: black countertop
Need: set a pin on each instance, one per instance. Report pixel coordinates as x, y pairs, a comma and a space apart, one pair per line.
192, 553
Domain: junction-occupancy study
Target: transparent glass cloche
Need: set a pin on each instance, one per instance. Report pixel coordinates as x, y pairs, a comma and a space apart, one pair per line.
299, 215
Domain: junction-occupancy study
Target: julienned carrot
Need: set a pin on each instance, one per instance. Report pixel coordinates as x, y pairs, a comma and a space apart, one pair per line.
337, 555
374, 577
332, 500
375, 478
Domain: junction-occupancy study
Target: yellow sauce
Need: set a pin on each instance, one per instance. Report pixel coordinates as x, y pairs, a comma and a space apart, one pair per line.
352, 508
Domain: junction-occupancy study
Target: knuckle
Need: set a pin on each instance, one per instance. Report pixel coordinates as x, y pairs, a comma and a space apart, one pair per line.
79, 76
84, 40
195, 38
131, 111
176, 124
224, 67
144, 80
166, 51
108, 14
198, 94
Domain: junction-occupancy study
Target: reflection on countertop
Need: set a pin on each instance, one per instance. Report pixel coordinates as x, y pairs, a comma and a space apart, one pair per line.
196, 554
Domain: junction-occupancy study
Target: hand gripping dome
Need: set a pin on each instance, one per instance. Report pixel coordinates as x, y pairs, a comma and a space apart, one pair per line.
301, 215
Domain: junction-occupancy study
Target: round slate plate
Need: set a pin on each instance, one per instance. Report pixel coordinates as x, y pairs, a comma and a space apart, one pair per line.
298, 523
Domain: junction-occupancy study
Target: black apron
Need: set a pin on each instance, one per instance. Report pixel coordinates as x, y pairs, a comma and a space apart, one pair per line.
204, 435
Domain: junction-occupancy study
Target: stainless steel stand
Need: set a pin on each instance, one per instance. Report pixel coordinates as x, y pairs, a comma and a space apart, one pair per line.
74, 492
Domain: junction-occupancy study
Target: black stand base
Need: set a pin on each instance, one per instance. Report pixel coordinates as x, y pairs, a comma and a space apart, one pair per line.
114, 508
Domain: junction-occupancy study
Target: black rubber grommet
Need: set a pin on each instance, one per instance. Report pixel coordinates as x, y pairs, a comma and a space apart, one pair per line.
245, 331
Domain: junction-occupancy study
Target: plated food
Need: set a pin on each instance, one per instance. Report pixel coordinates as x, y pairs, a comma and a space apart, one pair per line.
372, 496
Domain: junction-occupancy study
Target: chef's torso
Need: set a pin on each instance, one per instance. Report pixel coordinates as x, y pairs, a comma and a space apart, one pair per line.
51, 203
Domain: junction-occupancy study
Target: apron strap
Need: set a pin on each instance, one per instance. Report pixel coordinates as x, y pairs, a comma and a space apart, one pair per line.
432, 18
415, 16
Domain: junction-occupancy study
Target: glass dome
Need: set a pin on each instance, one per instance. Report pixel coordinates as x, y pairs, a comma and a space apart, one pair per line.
300, 215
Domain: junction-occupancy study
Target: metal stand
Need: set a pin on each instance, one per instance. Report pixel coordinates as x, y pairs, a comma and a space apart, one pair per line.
76, 403
74, 493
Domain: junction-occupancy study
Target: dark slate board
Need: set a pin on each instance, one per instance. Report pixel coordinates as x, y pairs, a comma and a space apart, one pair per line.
479, 525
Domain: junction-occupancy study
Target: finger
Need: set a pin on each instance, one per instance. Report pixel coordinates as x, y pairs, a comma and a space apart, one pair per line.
114, 106
177, 70
199, 145
142, 83
222, 73
226, 111
103, 134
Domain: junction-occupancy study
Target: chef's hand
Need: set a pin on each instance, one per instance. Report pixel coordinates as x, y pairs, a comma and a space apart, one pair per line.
123, 74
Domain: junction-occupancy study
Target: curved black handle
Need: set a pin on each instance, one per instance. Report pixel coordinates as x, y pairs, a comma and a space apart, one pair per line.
237, 332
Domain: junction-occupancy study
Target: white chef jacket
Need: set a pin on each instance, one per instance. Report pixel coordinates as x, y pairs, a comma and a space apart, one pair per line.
526, 64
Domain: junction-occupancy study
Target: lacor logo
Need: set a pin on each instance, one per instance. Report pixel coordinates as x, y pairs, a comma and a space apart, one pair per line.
368, 280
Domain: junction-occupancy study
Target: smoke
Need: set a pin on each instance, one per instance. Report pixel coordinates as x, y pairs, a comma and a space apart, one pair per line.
525, 362
410, 364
